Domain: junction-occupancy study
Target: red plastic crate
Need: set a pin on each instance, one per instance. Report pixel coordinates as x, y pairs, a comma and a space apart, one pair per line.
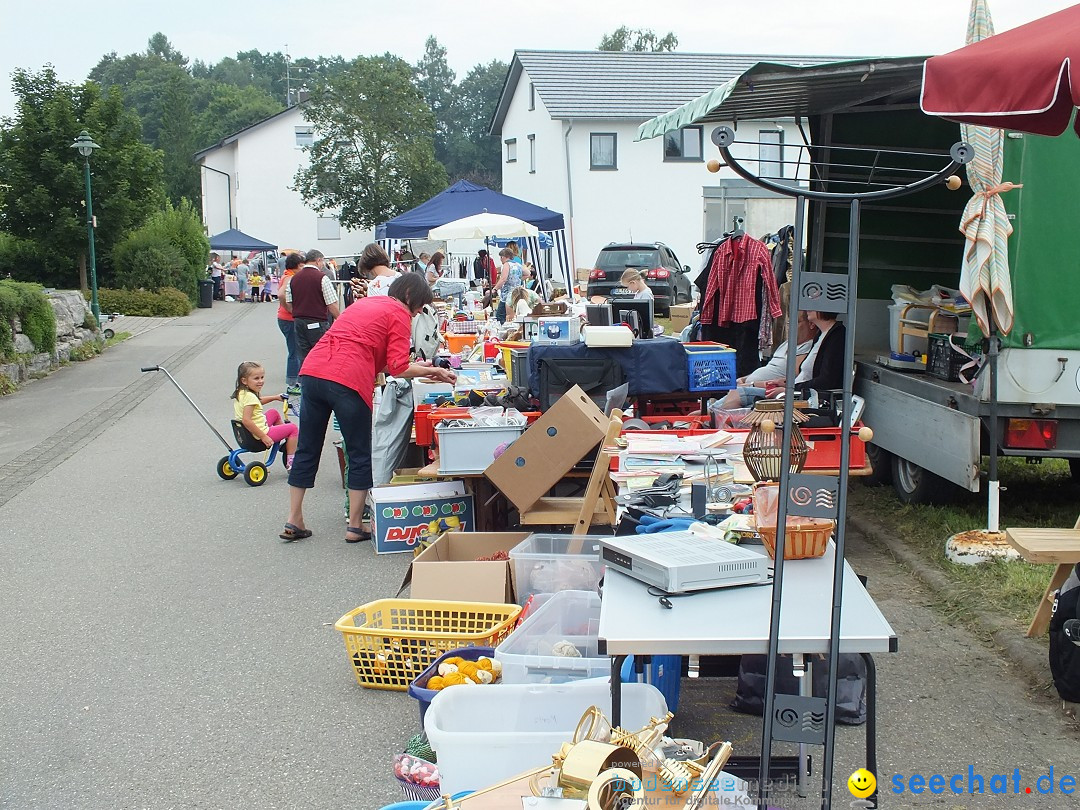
825, 449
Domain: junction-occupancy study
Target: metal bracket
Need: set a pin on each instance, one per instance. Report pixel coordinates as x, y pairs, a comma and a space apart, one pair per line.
799, 719
824, 292
813, 495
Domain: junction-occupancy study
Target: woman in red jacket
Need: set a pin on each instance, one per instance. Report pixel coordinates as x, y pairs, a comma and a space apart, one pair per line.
338, 376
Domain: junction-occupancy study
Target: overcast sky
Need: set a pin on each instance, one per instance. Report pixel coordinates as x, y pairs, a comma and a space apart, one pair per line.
73, 36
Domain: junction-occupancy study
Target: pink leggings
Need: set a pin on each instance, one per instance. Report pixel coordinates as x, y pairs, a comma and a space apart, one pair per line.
276, 429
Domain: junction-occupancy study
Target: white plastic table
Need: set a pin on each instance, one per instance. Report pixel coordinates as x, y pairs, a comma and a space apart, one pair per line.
735, 621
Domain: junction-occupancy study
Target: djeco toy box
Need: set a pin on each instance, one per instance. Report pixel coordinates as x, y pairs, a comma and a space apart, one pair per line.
401, 515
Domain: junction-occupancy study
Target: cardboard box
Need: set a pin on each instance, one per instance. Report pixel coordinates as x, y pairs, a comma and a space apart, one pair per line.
558, 329
551, 446
680, 317
411, 475
402, 514
448, 569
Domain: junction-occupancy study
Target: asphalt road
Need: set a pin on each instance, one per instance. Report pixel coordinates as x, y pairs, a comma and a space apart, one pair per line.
160, 648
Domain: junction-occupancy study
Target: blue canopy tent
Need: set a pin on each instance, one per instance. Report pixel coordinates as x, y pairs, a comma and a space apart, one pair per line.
233, 239
463, 199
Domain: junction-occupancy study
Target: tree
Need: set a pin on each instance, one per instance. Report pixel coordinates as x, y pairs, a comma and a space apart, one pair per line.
436, 82
472, 153
176, 139
42, 198
373, 156
638, 39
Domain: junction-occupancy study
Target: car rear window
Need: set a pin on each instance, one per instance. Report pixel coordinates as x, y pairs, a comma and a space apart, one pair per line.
613, 259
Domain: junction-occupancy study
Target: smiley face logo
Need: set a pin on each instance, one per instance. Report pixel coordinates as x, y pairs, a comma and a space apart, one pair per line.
861, 783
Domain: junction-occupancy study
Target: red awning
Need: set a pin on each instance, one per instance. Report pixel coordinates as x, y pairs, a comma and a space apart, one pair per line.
1020, 79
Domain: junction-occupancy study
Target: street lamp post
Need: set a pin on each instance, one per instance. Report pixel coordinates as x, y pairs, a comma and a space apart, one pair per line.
86, 146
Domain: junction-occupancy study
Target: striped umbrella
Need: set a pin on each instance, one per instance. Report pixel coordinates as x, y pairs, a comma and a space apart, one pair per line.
984, 278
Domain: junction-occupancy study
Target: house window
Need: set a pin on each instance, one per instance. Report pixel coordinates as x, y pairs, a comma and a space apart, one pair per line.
305, 136
511, 150
532, 154
603, 151
532, 96
328, 228
683, 144
770, 153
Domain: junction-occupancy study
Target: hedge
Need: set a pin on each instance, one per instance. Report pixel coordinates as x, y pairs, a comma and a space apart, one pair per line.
29, 303
166, 303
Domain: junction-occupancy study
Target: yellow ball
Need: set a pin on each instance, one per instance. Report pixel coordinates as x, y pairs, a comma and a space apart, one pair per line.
866, 434
953, 183
713, 166
768, 425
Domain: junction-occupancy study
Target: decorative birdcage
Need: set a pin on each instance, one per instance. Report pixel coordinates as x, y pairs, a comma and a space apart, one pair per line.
764, 448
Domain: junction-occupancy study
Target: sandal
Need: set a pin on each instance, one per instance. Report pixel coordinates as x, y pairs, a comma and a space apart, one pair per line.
359, 535
292, 533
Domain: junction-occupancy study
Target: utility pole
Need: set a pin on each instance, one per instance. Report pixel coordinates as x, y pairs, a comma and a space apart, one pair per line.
288, 79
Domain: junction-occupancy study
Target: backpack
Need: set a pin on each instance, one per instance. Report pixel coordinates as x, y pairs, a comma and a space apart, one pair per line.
1064, 654
425, 334
850, 685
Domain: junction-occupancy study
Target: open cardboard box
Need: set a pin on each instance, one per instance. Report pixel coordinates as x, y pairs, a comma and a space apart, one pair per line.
448, 568
680, 317
403, 513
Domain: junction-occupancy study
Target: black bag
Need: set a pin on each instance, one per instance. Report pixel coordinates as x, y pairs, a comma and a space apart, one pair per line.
1064, 654
850, 685
595, 375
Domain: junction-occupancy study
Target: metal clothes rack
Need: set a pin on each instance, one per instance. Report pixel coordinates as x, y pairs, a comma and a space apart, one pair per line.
881, 175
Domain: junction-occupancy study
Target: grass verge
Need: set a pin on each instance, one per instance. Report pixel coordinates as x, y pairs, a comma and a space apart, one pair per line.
1033, 495
119, 337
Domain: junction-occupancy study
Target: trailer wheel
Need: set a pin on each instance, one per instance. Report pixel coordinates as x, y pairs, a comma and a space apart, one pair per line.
881, 464
914, 484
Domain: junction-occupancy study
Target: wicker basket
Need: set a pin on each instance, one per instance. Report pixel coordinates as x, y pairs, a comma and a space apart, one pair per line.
803, 541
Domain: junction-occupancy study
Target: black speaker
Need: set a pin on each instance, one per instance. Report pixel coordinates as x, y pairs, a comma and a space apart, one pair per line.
699, 494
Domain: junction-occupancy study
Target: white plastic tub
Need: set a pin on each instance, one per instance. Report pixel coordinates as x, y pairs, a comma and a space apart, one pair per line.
484, 734
471, 448
546, 563
527, 655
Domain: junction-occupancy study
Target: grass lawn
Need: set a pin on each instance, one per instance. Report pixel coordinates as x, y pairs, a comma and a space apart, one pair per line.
1032, 495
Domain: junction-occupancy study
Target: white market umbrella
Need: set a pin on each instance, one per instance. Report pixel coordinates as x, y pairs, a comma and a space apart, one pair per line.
478, 226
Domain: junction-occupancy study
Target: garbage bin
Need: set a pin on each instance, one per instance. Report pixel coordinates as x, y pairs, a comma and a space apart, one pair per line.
206, 293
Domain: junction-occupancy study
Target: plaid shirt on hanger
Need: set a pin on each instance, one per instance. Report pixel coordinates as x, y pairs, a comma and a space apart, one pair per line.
730, 294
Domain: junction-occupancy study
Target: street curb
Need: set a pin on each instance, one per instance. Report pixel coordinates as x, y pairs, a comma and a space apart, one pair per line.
1027, 655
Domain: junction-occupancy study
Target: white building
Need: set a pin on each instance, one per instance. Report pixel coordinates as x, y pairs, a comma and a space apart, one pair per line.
568, 122
247, 181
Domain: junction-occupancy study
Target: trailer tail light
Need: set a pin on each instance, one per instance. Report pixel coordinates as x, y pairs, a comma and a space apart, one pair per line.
597, 275
659, 272
1031, 434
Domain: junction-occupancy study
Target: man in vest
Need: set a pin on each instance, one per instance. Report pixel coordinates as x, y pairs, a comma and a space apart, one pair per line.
311, 299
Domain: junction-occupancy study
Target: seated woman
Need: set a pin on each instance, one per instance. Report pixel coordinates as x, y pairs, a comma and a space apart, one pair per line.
756, 384
823, 368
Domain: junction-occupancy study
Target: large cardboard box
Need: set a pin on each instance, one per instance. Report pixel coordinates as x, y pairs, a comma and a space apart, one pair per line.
680, 317
401, 514
551, 446
448, 568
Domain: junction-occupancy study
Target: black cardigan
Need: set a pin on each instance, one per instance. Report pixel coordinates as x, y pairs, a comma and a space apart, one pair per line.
828, 371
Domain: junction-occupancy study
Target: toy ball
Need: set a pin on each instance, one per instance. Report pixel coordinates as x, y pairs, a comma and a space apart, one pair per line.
866, 434
500, 449
713, 166
768, 425
953, 183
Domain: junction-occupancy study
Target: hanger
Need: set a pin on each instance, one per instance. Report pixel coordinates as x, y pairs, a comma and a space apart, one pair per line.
736, 228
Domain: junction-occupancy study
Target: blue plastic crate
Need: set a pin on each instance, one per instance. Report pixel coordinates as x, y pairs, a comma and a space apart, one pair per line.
665, 674
709, 367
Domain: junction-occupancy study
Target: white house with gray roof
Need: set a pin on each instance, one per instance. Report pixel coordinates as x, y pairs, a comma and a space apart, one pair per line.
568, 122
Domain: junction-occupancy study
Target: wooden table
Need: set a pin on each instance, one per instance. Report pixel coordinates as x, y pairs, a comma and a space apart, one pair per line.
1060, 547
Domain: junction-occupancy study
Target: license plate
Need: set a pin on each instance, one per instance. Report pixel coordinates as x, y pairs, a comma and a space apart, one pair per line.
620, 292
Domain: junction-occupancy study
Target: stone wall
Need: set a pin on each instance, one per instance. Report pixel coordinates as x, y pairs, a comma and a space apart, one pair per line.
71, 310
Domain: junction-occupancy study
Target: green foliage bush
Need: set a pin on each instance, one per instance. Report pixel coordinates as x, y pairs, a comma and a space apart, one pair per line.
170, 250
31, 306
22, 259
167, 302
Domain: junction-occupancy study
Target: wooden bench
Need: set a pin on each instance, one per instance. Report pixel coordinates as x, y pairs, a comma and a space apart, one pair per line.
1060, 547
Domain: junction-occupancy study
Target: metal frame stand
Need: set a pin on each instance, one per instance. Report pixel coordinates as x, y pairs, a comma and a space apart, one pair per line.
804, 719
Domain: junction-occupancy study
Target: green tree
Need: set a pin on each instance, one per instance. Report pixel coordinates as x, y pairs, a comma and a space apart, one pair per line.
472, 153
638, 39
170, 250
373, 156
435, 80
177, 139
42, 196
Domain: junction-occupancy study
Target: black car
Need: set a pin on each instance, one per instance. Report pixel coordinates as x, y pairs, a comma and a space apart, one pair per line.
663, 274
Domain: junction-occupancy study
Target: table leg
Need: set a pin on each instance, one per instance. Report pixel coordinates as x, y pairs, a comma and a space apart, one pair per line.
871, 719
806, 689
1041, 622
616, 689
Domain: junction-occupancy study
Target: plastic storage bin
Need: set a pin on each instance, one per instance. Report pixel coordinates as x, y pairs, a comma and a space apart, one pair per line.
390, 641
485, 734
471, 448
944, 359
544, 563
418, 688
528, 655
709, 367
664, 672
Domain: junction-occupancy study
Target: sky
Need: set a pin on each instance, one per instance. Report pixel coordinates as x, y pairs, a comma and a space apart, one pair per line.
73, 36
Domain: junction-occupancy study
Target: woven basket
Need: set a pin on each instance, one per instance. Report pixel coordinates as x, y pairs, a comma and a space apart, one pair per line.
802, 541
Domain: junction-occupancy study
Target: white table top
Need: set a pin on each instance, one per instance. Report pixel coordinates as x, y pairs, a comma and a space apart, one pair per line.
735, 621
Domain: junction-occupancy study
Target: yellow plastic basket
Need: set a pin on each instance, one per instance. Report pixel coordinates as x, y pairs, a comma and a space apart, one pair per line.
391, 641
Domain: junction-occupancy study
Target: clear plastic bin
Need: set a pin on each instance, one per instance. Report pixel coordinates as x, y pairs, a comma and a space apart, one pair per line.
471, 448
485, 734
529, 654
550, 563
